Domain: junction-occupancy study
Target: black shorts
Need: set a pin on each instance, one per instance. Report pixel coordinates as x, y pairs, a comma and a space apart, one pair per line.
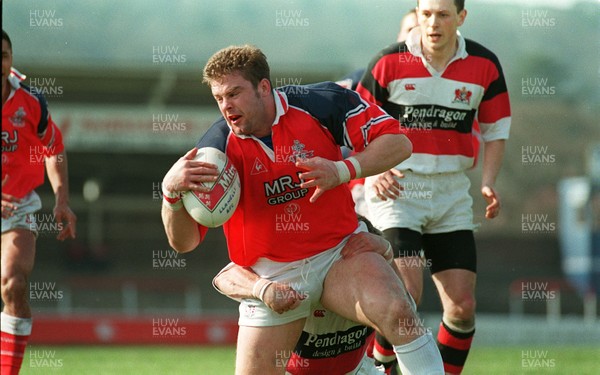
443, 251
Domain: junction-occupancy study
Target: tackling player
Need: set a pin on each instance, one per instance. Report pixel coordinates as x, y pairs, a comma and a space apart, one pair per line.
29, 137
285, 145
437, 83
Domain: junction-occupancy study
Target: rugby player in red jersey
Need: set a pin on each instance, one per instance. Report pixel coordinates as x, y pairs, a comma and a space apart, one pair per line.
285, 144
30, 140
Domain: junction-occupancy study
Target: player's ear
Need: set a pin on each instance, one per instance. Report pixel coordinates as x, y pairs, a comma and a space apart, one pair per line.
461, 17
264, 86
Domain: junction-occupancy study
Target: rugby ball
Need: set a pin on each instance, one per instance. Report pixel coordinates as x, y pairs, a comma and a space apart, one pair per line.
215, 207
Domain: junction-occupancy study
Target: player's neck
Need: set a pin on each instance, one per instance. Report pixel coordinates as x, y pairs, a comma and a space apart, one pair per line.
439, 58
266, 123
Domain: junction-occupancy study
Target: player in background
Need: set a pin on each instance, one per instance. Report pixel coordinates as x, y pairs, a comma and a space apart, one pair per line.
29, 137
436, 83
286, 146
409, 22
329, 344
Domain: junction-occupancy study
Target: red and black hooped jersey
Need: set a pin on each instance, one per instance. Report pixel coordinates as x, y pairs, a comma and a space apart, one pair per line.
329, 342
437, 109
274, 218
28, 136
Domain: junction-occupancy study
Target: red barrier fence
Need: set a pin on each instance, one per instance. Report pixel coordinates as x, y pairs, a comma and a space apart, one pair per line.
124, 330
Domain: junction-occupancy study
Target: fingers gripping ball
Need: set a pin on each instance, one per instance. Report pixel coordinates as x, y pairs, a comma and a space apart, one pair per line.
214, 208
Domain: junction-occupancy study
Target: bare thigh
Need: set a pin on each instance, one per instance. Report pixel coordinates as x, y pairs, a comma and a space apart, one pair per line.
265, 350
365, 289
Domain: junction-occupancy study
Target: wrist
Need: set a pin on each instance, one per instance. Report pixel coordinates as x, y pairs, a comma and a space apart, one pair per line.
259, 288
61, 201
171, 199
348, 169
168, 193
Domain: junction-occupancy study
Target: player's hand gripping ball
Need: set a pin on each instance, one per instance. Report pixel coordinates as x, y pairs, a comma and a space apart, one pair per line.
214, 208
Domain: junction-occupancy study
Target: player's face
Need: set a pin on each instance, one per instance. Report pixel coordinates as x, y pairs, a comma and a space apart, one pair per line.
409, 22
242, 105
439, 21
6, 63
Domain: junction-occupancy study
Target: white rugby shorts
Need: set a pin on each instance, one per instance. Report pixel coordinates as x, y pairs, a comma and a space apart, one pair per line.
24, 217
429, 203
305, 276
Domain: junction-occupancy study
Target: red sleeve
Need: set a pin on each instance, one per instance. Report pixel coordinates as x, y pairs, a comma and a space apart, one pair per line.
369, 124
52, 139
358, 181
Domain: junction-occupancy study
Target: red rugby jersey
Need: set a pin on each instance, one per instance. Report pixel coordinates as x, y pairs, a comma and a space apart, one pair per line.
274, 218
28, 136
438, 109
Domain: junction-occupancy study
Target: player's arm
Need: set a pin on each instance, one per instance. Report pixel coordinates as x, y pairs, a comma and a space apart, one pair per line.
494, 117
383, 153
183, 232
493, 153
376, 138
58, 175
241, 282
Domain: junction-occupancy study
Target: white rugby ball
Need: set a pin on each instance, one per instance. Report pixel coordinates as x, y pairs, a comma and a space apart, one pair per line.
214, 208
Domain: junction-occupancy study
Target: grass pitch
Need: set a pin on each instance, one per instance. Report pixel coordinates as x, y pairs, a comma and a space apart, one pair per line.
202, 360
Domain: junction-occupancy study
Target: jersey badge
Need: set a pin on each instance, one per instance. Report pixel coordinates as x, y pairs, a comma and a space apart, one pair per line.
410, 87
462, 96
298, 152
17, 118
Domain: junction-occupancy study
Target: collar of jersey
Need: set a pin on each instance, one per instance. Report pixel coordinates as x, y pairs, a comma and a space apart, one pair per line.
14, 79
281, 105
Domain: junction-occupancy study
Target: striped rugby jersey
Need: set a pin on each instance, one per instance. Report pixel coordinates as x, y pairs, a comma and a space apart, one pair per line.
437, 109
329, 344
274, 218
28, 136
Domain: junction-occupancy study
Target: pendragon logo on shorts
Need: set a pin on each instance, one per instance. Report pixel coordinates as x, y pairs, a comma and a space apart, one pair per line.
220, 188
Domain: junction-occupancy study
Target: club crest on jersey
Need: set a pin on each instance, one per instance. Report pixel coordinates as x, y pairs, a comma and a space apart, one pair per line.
462, 96
17, 118
298, 152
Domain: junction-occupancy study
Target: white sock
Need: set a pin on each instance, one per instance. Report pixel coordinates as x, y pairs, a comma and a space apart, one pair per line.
420, 357
14, 325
